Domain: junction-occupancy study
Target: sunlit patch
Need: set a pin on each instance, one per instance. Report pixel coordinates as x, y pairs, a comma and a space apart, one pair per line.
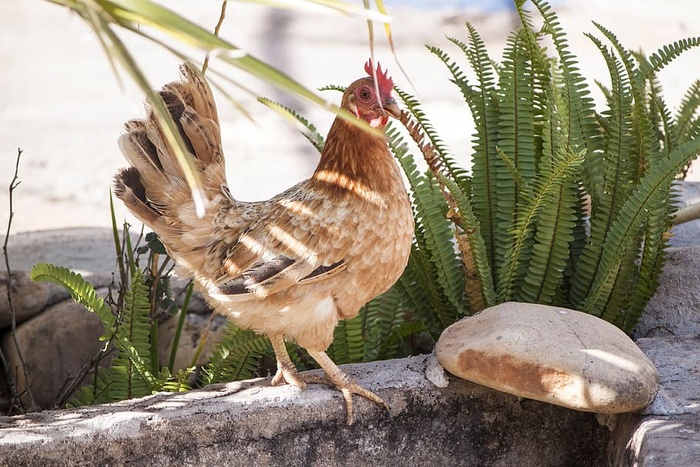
612, 359
347, 183
298, 207
300, 249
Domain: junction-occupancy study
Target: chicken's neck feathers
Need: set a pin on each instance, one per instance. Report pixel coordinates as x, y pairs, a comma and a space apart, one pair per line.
354, 159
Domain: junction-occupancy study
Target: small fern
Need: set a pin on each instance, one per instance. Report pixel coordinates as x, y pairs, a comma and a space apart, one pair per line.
130, 323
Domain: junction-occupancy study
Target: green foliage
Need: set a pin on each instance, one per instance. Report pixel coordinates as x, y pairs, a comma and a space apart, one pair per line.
564, 205
556, 203
130, 324
573, 205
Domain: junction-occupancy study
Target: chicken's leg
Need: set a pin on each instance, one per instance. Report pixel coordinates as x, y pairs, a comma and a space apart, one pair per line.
286, 371
343, 383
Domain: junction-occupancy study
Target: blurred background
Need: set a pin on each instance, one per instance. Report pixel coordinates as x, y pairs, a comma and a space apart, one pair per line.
62, 104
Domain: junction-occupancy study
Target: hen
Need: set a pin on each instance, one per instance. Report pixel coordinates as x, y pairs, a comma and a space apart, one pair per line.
292, 266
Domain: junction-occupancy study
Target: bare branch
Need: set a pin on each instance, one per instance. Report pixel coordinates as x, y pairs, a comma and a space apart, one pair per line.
16, 402
687, 213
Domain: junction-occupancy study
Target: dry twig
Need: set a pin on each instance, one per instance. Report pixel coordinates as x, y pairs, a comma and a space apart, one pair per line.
16, 402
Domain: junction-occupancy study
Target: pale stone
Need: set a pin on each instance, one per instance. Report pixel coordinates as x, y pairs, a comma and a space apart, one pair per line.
550, 354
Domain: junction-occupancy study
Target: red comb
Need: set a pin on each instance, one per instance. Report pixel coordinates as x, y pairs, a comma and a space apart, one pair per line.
386, 84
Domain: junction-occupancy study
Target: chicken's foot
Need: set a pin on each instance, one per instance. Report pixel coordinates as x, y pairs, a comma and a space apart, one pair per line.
286, 371
344, 384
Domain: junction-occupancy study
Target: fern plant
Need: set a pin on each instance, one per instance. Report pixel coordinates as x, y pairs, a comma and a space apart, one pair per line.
565, 204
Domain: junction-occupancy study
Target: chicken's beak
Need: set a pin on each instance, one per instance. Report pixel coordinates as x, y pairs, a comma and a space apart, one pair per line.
392, 108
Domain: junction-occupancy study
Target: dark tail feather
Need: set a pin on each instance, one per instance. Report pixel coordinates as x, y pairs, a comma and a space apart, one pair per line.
154, 187
128, 188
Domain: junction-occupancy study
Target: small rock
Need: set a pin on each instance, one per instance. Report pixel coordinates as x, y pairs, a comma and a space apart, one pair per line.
550, 354
54, 345
435, 373
28, 298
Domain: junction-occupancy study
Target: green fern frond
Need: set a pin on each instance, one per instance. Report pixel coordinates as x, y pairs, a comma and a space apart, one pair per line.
545, 188
484, 106
380, 317
520, 183
651, 262
620, 173
433, 233
97, 393
347, 345
516, 138
645, 146
665, 55
423, 294
332, 87
688, 111
551, 250
650, 193
131, 368
578, 105
80, 290
662, 119
236, 356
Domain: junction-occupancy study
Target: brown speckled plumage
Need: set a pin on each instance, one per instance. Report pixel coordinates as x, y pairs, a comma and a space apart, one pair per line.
289, 267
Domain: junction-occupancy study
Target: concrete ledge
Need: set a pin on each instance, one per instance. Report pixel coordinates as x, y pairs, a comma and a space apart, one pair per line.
250, 423
668, 432
657, 441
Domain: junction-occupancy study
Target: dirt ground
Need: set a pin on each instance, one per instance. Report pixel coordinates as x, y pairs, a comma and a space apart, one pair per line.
61, 103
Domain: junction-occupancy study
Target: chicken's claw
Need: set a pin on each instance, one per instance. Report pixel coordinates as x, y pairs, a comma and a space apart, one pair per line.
349, 388
286, 371
336, 377
287, 374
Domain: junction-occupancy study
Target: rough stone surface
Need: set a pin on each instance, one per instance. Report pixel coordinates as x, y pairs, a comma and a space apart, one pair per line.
88, 251
253, 424
28, 298
675, 308
678, 362
668, 431
655, 441
550, 354
54, 346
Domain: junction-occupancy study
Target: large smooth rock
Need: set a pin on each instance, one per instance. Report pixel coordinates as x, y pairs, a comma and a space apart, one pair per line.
54, 346
28, 298
550, 354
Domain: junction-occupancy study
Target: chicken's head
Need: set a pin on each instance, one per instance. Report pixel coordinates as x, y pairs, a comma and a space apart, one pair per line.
361, 99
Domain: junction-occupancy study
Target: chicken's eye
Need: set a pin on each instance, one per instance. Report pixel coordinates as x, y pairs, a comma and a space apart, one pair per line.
365, 94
